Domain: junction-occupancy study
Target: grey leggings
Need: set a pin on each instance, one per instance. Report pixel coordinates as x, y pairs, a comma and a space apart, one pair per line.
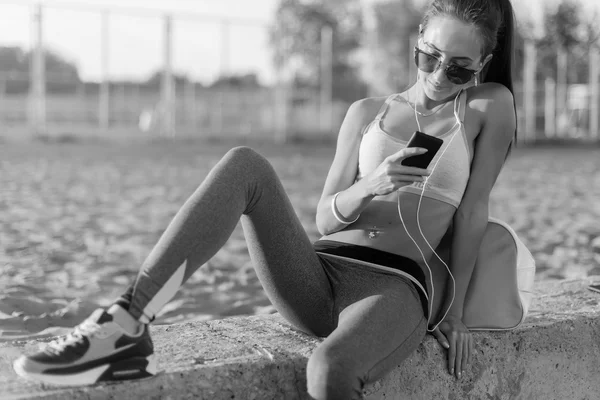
372, 320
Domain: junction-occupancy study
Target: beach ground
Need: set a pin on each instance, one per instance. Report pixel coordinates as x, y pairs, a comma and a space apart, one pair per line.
78, 218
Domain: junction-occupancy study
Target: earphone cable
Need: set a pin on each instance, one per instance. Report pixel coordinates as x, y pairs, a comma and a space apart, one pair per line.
421, 231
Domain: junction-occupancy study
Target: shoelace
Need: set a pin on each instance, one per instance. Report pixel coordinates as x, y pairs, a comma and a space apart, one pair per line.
86, 328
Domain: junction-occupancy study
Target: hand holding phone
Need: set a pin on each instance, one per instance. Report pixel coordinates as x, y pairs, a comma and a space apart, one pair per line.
420, 139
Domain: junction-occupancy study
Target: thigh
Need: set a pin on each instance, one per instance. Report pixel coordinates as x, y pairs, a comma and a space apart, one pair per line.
283, 256
381, 322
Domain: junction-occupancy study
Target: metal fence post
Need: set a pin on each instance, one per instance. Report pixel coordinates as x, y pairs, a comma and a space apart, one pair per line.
326, 89
104, 90
561, 91
167, 92
37, 92
225, 51
529, 88
549, 108
3, 80
594, 92
191, 106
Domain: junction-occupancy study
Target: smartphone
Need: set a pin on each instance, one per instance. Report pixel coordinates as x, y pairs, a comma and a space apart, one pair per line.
420, 139
594, 288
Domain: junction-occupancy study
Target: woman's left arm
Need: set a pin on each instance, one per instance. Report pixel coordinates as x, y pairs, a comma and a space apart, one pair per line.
471, 218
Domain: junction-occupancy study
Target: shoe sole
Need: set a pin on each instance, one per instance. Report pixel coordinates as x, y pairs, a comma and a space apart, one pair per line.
131, 368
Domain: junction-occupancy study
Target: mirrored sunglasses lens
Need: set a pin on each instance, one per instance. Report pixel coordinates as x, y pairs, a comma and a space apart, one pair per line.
458, 75
426, 62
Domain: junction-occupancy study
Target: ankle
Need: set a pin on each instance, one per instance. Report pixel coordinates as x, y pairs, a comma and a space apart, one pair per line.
125, 320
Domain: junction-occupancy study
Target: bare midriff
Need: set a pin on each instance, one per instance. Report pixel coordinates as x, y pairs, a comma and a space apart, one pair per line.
380, 227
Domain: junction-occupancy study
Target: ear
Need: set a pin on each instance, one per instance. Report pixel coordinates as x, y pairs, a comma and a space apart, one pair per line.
420, 29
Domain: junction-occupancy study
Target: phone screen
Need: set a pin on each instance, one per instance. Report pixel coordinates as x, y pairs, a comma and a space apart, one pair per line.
420, 139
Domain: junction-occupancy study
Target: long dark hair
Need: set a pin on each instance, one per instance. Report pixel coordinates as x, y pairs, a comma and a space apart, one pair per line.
496, 21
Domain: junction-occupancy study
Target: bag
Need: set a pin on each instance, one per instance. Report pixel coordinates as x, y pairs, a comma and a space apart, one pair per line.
500, 290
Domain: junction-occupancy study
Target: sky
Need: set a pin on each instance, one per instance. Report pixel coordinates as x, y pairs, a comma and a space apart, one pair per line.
200, 49
136, 35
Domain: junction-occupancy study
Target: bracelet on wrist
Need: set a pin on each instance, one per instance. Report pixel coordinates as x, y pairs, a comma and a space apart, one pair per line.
337, 214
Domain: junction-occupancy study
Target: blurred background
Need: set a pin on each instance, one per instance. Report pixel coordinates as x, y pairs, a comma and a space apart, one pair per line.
191, 78
275, 69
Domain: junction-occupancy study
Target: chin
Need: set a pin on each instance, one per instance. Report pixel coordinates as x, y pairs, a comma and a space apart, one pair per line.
439, 94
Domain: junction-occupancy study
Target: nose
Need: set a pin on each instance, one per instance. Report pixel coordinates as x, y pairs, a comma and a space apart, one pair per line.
438, 76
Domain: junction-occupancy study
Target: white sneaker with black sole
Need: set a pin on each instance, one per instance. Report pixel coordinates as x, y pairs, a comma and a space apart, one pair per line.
97, 350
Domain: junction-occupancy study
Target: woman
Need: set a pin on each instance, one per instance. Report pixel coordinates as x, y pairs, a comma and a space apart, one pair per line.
363, 285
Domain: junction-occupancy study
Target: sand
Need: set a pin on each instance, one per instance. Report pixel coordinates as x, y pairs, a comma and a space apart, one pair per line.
78, 219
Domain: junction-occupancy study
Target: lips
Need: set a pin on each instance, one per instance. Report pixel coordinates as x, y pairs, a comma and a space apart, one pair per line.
436, 87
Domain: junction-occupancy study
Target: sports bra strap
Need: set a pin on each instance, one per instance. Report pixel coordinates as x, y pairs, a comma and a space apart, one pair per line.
384, 108
460, 106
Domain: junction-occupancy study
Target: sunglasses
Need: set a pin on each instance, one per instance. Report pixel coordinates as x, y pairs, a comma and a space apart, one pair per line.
427, 62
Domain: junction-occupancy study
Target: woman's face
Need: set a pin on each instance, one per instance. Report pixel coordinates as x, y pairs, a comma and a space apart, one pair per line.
453, 42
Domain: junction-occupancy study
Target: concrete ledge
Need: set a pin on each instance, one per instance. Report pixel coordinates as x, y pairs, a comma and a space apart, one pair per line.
554, 355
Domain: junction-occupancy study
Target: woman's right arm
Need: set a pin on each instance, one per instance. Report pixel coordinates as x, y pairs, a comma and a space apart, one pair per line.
342, 173
354, 197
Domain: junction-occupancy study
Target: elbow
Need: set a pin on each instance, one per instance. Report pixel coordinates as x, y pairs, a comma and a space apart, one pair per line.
320, 228
321, 223
324, 224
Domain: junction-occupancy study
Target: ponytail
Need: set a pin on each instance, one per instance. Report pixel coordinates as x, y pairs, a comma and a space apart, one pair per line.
500, 67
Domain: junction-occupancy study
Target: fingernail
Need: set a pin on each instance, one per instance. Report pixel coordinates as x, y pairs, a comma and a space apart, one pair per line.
452, 370
459, 374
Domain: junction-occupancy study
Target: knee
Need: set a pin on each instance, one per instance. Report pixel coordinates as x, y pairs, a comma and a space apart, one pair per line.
242, 154
244, 159
329, 376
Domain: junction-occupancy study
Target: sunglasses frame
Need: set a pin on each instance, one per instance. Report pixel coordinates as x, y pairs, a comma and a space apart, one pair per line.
472, 72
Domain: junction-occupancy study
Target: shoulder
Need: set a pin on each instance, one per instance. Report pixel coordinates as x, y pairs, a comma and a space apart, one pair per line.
359, 115
367, 107
494, 106
490, 96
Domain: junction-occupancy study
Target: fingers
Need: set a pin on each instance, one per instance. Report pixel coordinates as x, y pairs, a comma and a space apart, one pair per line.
410, 171
465, 359
461, 346
403, 178
441, 338
459, 352
463, 353
452, 353
407, 152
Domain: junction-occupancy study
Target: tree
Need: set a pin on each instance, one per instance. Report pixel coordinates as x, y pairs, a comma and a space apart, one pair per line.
246, 81
295, 38
15, 62
59, 68
395, 23
563, 34
591, 29
155, 80
13, 59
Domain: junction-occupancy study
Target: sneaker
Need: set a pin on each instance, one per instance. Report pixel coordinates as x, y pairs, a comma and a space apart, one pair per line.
97, 350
